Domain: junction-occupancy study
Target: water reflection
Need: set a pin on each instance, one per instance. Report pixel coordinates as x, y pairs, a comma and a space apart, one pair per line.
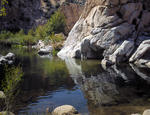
90, 88
115, 90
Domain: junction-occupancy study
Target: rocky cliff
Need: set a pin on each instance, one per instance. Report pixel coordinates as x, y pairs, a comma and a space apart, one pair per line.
72, 12
110, 29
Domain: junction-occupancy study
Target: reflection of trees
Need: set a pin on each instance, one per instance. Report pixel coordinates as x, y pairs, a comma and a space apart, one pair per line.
41, 76
10, 83
108, 88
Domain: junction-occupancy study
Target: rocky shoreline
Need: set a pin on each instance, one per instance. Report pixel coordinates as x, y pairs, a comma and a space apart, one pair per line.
113, 30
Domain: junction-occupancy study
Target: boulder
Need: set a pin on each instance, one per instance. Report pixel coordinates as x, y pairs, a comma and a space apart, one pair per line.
10, 56
39, 45
123, 52
8, 59
65, 110
46, 50
146, 112
141, 50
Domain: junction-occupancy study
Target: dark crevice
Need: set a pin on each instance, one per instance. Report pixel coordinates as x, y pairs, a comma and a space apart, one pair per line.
134, 22
140, 16
119, 14
144, 8
136, 27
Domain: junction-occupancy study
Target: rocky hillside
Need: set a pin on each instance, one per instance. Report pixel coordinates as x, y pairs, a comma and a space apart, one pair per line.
72, 12
25, 14
112, 30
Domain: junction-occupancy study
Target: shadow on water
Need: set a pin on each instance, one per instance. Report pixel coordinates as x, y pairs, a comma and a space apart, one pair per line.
90, 88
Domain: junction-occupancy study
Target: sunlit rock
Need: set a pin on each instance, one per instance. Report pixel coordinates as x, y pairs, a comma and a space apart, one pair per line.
104, 28
65, 110
146, 112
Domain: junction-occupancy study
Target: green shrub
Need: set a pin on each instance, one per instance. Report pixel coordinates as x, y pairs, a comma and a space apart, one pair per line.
55, 24
10, 84
5, 35
56, 37
40, 32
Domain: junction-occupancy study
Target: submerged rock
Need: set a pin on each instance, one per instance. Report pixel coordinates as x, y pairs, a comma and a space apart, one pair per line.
65, 110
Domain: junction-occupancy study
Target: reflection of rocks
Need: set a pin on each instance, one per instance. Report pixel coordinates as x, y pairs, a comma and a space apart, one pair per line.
49, 56
113, 86
140, 73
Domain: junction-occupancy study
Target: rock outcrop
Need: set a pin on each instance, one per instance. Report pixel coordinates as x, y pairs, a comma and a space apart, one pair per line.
8, 59
43, 49
109, 29
72, 13
142, 55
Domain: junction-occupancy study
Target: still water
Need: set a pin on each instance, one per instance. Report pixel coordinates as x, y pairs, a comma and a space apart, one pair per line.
49, 82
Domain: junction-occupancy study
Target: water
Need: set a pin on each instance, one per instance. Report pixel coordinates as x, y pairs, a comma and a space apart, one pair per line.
49, 82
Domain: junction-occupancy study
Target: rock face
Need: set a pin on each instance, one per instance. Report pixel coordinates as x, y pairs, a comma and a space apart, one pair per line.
141, 56
109, 29
65, 110
72, 12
